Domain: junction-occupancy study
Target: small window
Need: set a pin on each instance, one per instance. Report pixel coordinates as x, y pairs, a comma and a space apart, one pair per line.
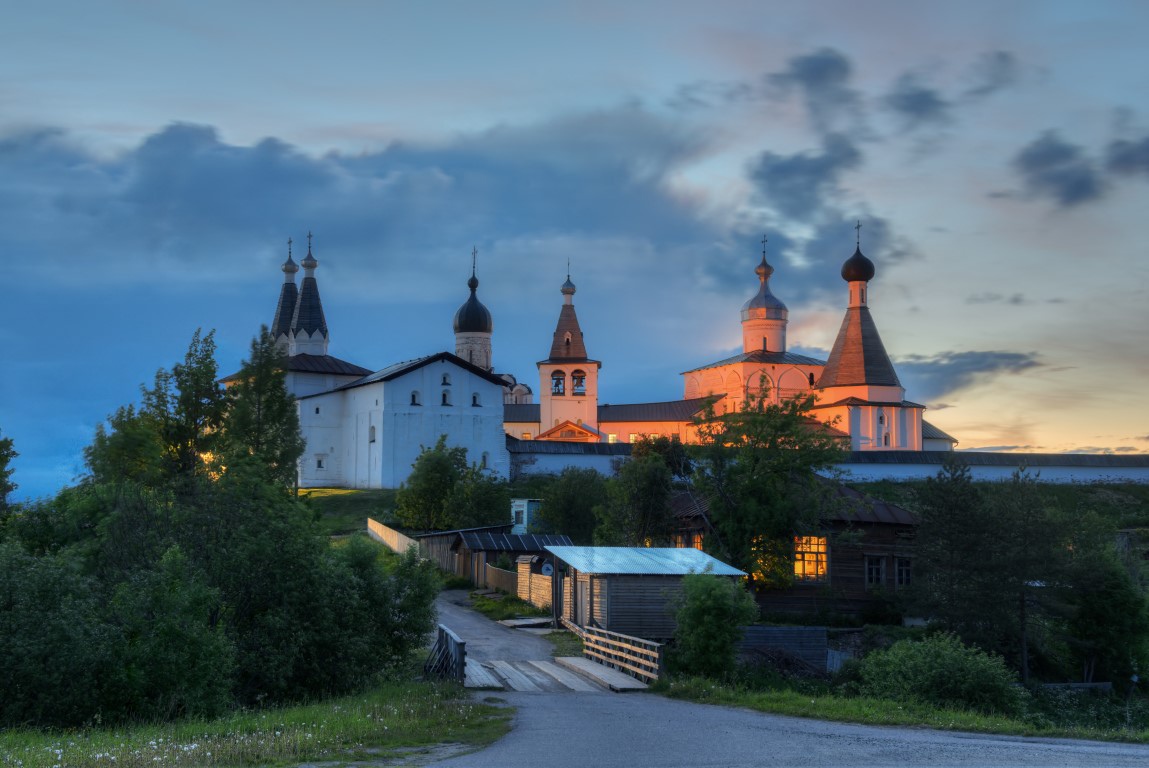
558, 383
526, 435
810, 558
811, 377
578, 382
446, 379
317, 410
483, 462
886, 439
875, 571
612, 438
475, 399
371, 434
902, 571
415, 398
320, 462
567, 339
446, 397
634, 437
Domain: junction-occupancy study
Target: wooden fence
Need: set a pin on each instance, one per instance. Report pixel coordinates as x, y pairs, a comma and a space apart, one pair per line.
533, 588
497, 578
642, 659
395, 541
448, 657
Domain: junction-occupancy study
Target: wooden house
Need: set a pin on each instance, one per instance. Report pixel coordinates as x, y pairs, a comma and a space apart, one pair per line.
630, 590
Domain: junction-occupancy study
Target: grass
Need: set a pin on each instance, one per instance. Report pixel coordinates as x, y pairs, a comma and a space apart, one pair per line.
825, 705
505, 607
394, 718
342, 511
565, 643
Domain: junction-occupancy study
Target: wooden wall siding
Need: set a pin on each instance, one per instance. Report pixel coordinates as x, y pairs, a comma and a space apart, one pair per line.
568, 597
807, 643
534, 588
395, 541
438, 550
497, 578
600, 600
642, 606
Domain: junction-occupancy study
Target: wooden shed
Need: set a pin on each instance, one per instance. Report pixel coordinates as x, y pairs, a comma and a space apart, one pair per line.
630, 590
474, 549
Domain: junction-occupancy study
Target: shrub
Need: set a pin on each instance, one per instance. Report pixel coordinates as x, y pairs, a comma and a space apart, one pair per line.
710, 616
941, 671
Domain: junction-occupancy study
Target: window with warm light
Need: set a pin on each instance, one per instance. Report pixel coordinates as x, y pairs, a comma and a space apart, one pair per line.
810, 558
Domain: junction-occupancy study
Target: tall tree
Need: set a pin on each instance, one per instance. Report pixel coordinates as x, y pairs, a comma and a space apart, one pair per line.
637, 509
7, 453
569, 502
261, 424
423, 502
758, 467
479, 498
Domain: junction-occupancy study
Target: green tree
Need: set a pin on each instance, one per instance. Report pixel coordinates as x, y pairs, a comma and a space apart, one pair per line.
637, 509
569, 502
1109, 623
423, 502
7, 453
758, 468
479, 498
671, 449
261, 424
711, 613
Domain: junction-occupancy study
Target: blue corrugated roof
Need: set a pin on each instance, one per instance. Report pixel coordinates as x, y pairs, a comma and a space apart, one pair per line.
644, 561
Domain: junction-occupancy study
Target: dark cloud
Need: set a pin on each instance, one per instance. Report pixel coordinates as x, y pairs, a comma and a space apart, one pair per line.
993, 72
823, 80
1053, 168
1128, 158
1143, 437
936, 376
800, 186
917, 105
1002, 448
989, 297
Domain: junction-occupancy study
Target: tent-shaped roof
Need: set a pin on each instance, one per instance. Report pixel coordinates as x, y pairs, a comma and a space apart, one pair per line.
644, 561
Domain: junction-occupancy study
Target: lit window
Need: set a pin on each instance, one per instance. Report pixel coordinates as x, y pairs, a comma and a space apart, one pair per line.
526, 435
558, 383
875, 571
578, 382
810, 558
902, 571
689, 540
612, 438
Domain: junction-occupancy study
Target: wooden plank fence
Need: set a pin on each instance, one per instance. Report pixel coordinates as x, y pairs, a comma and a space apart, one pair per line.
497, 578
641, 659
395, 541
448, 657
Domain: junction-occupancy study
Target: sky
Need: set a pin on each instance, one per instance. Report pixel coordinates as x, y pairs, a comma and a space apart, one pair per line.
155, 157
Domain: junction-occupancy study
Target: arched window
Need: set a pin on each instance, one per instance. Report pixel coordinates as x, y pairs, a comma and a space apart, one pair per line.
371, 434
567, 339
578, 382
811, 379
886, 439
881, 416
475, 399
446, 379
558, 383
446, 397
415, 397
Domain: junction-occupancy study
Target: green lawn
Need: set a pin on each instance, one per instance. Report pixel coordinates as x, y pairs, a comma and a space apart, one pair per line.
394, 718
342, 511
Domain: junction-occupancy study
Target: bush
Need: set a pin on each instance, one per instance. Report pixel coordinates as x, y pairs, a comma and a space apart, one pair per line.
710, 617
941, 671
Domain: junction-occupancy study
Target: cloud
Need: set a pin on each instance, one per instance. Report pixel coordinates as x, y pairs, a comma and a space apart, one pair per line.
917, 105
937, 376
994, 71
799, 186
1053, 168
822, 78
989, 297
1128, 158
704, 94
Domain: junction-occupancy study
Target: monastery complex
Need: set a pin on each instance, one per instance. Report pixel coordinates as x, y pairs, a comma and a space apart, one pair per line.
364, 428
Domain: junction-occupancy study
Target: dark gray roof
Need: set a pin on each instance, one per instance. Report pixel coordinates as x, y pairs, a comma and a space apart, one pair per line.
862, 401
854, 507
764, 357
502, 528
528, 412
930, 432
398, 369
858, 356
485, 541
324, 364
671, 410
285, 310
309, 309
987, 459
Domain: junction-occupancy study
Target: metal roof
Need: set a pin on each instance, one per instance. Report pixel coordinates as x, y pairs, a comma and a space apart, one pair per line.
858, 355
564, 448
765, 358
644, 561
484, 541
671, 410
930, 432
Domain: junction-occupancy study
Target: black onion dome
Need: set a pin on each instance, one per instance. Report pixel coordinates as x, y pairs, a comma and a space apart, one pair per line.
858, 268
473, 317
